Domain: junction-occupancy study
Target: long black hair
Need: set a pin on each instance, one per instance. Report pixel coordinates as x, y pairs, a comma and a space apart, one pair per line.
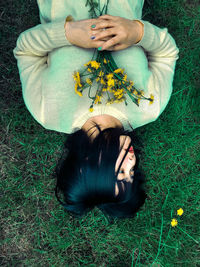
86, 175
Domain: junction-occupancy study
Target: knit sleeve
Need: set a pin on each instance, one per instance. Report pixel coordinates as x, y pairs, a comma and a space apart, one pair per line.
31, 52
162, 54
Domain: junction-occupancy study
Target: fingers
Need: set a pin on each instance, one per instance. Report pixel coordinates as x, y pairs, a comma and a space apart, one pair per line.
107, 34
107, 16
101, 24
116, 47
111, 42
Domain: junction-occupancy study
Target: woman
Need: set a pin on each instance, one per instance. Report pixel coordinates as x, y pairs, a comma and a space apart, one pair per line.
99, 163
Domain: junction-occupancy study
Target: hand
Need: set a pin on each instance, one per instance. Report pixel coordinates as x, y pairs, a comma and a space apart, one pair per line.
126, 32
79, 33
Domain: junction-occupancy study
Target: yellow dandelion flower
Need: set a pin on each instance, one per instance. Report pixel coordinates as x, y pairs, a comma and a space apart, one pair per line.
91, 109
76, 90
174, 222
105, 61
151, 99
131, 83
118, 92
102, 81
120, 96
118, 71
110, 102
104, 89
180, 211
89, 70
111, 82
101, 73
135, 92
97, 79
89, 62
109, 89
88, 80
95, 64
75, 76
109, 76
125, 78
98, 99
142, 92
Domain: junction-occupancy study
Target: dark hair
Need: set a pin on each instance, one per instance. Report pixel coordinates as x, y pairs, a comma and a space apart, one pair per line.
86, 175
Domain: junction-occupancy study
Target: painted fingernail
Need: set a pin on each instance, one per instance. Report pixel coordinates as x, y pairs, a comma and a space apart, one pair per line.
100, 48
93, 26
92, 37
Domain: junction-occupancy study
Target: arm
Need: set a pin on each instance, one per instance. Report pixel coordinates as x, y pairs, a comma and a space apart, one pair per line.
162, 54
31, 52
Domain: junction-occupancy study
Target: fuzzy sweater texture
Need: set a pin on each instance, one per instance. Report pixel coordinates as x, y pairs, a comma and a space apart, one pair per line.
47, 60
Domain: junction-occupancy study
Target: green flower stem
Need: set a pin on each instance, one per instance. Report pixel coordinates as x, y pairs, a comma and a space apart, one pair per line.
187, 234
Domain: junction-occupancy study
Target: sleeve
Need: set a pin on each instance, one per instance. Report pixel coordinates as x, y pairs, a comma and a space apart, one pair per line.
162, 53
31, 52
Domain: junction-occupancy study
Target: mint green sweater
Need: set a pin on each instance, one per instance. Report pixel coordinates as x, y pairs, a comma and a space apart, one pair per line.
47, 60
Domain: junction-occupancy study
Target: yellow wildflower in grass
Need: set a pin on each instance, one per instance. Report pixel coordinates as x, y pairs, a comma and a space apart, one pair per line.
151, 99
97, 79
180, 211
88, 80
94, 64
105, 61
174, 222
91, 109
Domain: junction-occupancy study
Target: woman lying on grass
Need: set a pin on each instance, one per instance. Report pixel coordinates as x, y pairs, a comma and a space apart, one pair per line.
99, 166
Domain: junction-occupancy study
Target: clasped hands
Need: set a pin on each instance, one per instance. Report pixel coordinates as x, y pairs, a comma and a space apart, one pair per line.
120, 33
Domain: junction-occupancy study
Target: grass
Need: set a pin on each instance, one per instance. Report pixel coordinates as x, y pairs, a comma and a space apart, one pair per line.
36, 231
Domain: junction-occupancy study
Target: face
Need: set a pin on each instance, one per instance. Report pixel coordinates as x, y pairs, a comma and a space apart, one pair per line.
126, 170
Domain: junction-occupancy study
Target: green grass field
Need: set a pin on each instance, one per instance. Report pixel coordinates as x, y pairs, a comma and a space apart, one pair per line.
36, 231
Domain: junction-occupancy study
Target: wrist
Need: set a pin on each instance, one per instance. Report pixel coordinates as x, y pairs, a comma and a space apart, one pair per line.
68, 18
139, 29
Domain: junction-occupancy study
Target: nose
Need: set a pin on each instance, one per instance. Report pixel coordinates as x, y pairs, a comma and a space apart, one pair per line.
131, 155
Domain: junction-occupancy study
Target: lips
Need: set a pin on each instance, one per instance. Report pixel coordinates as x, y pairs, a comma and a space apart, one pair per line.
131, 150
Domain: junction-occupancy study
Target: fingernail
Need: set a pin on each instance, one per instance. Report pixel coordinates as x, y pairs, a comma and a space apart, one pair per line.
92, 37
100, 48
93, 26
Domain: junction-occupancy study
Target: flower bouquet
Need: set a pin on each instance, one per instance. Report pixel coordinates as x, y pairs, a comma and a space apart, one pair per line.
102, 69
